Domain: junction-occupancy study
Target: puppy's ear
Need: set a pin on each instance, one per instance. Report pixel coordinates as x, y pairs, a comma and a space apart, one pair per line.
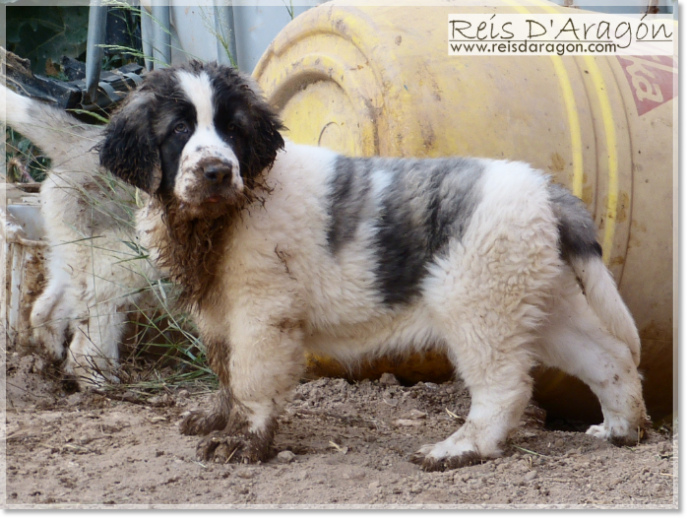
265, 141
129, 149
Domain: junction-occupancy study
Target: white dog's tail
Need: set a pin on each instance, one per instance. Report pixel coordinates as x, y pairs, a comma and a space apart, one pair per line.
59, 135
603, 297
580, 249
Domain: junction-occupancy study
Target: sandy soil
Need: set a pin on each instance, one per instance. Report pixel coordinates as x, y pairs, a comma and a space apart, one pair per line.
340, 444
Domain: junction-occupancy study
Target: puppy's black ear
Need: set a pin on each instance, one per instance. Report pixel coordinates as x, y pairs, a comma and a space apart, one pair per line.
265, 141
129, 149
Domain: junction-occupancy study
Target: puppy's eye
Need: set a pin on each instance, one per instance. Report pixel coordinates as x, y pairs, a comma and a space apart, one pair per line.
181, 128
231, 128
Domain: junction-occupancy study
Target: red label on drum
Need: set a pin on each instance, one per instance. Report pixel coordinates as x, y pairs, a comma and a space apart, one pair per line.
651, 79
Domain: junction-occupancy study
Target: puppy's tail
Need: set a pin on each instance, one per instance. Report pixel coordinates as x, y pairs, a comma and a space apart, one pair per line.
580, 249
59, 135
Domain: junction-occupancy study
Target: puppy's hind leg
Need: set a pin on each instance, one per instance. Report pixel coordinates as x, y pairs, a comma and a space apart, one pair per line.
576, 341
496, 372
486, 300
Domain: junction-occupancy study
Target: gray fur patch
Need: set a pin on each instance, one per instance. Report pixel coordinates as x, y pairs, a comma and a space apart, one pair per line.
348, 193
577, 231
427, 203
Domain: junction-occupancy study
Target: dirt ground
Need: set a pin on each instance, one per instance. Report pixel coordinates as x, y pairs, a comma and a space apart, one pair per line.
340, 445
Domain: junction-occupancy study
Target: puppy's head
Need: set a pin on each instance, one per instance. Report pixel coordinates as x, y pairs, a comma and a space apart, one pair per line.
197, 133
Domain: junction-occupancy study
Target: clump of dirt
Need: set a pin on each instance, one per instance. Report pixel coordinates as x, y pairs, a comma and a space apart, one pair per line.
339, 443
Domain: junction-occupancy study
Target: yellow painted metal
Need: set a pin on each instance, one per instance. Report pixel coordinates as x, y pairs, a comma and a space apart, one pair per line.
379, 81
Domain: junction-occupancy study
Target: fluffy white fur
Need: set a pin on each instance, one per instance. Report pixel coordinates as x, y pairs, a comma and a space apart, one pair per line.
500, 302
502, 297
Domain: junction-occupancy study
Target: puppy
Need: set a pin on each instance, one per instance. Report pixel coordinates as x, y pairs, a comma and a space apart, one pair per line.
283, 249
95, 272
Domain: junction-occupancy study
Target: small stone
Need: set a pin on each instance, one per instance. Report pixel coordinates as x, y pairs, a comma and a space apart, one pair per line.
129, 396
416, 414
388, 379
407, 422
161, 400
530, 476
245, 473
342, 384
286, 457
374, 485
354, 474
39, 366
184, 394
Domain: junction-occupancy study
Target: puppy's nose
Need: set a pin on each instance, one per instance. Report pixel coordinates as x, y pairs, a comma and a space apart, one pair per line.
217, 173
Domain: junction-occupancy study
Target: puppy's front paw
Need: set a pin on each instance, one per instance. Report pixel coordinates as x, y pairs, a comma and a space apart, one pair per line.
202, 423
244, 447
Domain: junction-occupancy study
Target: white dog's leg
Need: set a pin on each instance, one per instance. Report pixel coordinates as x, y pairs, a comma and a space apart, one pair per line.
488, 297
496, 372
51, 315
489, 336
576, 341
93, 354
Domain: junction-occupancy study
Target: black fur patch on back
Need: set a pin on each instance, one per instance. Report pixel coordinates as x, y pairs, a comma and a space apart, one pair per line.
576, 229
348, 194
426, 203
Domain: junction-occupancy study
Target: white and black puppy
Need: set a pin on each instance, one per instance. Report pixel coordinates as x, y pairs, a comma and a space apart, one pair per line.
283, 249
94, 274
